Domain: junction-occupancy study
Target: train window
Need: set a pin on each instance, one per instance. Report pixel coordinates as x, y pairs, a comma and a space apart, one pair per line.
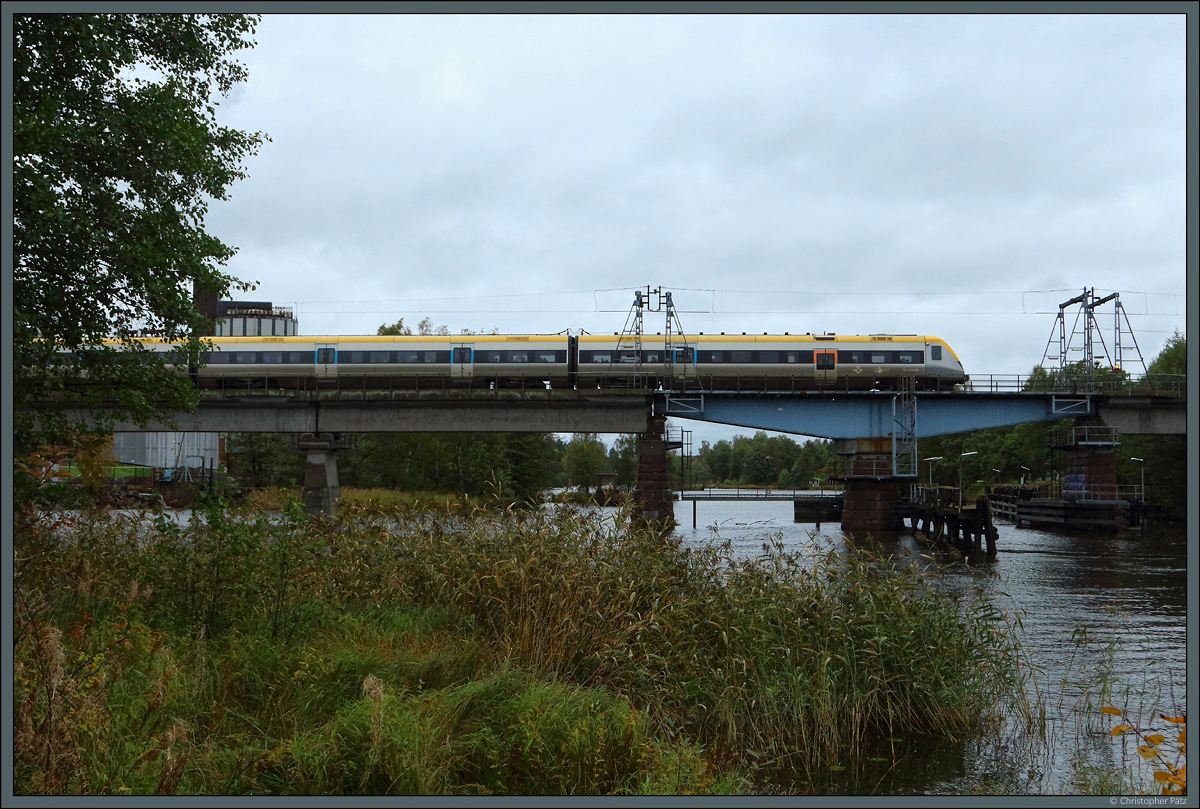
272, 357
326, 355
545, 356
768, 356
430, 356
243, 357
910, 356
852, 356
299, 356
935, 353
739, 356
381, 356
494, 356
825, 361
716, 356
214, 358
791, 356
518, 356
685, 354
350, 357
599, 357
460, 355
652, 357
407, 356
879, 357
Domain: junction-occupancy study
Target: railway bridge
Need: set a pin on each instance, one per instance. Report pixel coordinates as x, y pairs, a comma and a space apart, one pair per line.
876, 431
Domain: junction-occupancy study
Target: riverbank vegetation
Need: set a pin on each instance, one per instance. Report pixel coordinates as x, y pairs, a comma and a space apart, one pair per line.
510, 652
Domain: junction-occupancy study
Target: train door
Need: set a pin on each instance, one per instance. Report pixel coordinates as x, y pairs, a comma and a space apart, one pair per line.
572, 361
462, 361
326, 360
825, 365
684, 363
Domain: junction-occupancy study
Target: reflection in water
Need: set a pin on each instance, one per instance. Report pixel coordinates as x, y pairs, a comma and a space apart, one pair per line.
1095, 608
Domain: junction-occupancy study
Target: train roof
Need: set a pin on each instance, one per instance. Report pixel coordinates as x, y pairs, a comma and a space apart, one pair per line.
781, 338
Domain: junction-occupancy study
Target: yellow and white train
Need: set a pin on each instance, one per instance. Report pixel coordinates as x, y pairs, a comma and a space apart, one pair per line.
711, 362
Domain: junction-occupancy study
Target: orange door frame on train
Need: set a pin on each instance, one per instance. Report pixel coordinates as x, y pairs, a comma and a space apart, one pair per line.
825, 371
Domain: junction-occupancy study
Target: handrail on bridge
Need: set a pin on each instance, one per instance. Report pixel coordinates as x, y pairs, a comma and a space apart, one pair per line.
1174, 385
1112, 385
758, 493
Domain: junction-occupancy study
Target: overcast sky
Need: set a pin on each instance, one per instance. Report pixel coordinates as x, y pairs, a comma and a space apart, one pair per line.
952, 175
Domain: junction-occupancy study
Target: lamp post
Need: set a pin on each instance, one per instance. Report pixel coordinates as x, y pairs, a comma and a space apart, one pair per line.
930, 462
1024, 469
1143, 468
960, 480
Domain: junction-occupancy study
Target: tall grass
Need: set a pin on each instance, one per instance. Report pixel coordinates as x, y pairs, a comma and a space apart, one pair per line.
528, 652
273, 498
782, 655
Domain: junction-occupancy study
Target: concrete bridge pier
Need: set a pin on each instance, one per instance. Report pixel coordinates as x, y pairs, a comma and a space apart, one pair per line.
868, 505
321, 491
653, 503
871, 490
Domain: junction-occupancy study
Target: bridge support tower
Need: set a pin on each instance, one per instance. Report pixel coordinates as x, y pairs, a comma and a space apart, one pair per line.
871, 487
321, 492
653, 502
1090, 472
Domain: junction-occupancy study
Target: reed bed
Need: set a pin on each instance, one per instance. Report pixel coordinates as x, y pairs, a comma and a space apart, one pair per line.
399, 651
274, 498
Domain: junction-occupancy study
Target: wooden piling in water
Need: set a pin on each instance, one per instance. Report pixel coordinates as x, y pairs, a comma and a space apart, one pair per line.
967, 529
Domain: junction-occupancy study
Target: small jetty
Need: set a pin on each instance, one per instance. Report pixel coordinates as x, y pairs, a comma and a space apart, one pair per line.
949, 527
808, 505
1074, 505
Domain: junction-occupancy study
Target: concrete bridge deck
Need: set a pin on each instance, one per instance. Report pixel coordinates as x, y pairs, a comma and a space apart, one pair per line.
826, 414
858, 422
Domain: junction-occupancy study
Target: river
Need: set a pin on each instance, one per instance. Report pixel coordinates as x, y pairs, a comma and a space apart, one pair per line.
1094, 607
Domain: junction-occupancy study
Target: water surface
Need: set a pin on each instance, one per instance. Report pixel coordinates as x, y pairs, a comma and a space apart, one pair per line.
1093, 606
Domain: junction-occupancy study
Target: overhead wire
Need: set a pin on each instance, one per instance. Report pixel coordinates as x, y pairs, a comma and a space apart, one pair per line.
421, 305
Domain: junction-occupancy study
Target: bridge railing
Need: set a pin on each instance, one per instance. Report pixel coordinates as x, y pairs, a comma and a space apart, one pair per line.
931, 494
760, 493
1070, 492
1092, 492
863, 466
1111, 385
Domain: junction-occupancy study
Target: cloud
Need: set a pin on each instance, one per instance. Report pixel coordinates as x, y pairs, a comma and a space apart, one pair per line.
934, 166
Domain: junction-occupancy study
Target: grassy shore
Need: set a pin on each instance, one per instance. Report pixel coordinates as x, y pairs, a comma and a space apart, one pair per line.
403, 651
368, 500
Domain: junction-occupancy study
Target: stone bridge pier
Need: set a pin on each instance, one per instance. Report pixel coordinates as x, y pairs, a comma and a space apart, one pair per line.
871, 490
653, 501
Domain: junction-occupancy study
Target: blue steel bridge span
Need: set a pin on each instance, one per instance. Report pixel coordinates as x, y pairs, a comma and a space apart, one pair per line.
853, 415
830, 414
